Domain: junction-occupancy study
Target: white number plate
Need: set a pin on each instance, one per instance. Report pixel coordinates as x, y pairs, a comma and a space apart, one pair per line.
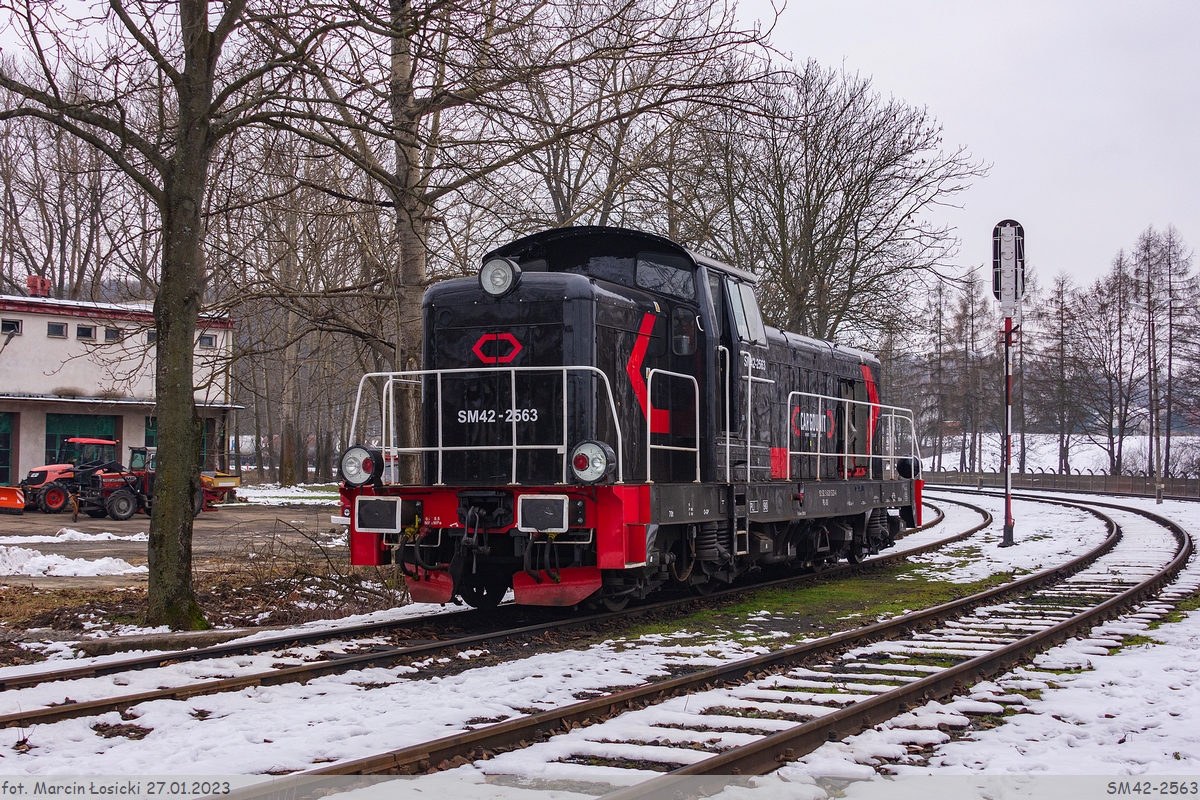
488, 415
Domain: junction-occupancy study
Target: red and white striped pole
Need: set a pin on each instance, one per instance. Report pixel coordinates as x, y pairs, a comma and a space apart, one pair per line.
1008, 373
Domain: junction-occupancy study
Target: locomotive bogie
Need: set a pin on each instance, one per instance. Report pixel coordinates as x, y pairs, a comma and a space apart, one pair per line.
603, 414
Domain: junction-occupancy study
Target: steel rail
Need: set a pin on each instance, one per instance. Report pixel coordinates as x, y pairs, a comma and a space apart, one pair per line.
519, 732
386, 658
296, 639
770, 752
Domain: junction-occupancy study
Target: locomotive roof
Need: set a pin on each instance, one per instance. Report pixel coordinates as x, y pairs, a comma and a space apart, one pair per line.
527, 243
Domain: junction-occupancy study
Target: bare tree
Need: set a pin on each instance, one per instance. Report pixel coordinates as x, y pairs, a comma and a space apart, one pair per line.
156, 88
1111, 351
835, 185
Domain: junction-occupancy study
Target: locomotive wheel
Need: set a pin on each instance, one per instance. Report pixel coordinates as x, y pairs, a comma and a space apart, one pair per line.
484, 591
121, 505
615, 603
53, 498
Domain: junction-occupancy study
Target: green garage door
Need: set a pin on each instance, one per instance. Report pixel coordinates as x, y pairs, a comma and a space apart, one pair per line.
69, 426
6, 448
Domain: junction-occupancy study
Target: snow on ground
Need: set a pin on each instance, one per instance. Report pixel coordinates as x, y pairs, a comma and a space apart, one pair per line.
292, 727
272, 494
71, 535
1089, 710
1045, 534
22, 561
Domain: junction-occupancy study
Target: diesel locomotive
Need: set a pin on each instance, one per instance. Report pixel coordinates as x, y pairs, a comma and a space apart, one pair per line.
602, 413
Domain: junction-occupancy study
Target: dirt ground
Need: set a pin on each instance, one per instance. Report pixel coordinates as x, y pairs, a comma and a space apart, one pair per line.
253, 566
217, 535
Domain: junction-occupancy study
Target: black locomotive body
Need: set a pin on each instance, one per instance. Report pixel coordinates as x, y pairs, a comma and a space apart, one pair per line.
602, 413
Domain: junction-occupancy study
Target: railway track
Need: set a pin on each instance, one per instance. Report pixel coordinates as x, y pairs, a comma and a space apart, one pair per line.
74, 679
16, 679
756, 714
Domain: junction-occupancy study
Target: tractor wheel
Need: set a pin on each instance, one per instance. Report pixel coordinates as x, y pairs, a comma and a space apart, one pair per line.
53, 498
97, 513
122, 505
197, 502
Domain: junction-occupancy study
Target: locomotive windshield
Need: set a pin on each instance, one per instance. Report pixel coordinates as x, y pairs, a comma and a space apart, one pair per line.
666, 274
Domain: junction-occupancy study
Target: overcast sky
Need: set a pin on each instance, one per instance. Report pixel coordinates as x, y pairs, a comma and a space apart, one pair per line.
1087, 112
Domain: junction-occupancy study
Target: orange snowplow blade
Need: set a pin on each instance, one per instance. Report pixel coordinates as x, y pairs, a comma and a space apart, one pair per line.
12, 500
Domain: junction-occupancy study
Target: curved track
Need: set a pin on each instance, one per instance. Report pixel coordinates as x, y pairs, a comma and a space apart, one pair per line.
487, 631
750, 716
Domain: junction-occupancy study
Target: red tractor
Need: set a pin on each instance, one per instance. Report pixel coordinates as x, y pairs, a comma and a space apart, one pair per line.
139, 494
51, 487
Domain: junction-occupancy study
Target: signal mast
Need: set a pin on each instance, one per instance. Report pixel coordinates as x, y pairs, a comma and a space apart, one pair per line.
1008, 286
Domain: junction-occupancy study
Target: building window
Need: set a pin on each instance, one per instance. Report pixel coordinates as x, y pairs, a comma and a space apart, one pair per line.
151, 432
10, 326
151, 337
86, 332
56, 330
208, 340
112, 334
6, 426
70, 426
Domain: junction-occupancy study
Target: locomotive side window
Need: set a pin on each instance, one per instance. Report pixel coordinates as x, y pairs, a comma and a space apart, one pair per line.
745, 312
758, 334
714, 293
739, 314
683, 331
667, 274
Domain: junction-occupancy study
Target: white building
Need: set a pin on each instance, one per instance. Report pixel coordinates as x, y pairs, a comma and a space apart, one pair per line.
72, 368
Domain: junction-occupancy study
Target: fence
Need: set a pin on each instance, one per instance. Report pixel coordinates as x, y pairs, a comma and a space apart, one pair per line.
1106, 484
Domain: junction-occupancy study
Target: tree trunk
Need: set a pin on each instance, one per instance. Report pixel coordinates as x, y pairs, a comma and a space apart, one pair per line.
171, 600
258, 448
412, 214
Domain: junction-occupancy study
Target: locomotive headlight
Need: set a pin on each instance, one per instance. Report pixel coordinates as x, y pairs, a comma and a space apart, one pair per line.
361, 465
499, 276
591, 461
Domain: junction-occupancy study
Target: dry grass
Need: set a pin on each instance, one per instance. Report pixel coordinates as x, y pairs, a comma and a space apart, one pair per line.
283, 576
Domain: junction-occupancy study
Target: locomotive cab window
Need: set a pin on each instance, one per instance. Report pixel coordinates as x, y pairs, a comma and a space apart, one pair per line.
671, 275
745, 312
683, 331
714, 297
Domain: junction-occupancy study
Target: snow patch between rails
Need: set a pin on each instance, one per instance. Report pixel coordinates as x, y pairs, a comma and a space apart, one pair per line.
1084, 707
22, 561
1046, 533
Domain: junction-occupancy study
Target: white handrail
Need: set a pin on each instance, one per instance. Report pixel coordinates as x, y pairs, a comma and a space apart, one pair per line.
650, 413
893, 413
751, 378
387, 413
728, 434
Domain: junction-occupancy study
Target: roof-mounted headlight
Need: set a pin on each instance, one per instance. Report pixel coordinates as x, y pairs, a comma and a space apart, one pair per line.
361, 465
592, 461
499, 276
